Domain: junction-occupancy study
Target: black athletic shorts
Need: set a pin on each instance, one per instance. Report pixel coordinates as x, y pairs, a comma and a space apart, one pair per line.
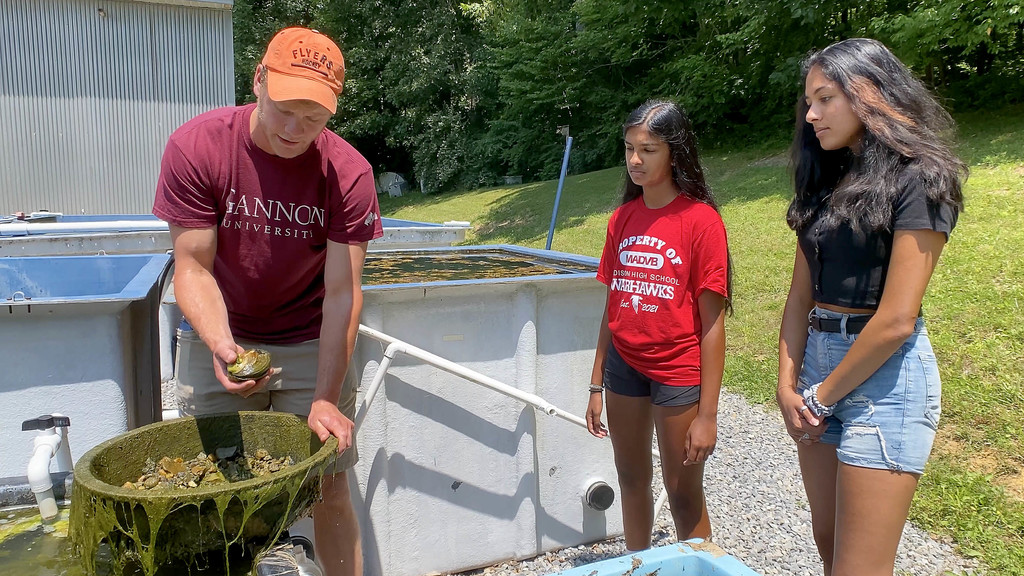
621, 378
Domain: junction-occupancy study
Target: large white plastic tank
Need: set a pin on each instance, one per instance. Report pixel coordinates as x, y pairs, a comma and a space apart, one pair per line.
453, 475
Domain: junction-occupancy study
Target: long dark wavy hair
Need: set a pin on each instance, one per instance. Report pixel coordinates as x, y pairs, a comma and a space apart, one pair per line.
907, 138
668, 122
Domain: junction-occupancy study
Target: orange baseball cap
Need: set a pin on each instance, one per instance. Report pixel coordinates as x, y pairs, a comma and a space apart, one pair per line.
303, 64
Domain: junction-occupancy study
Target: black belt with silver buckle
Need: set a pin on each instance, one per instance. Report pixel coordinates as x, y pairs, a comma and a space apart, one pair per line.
853, 325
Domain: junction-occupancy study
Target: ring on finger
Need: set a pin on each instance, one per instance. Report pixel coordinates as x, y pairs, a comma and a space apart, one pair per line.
806, 436
801, 410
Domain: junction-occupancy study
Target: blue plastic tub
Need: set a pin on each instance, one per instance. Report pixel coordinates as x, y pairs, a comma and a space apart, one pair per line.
66, 279
690, 558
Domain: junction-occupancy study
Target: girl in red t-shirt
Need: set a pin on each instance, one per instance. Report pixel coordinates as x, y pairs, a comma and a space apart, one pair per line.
661, 347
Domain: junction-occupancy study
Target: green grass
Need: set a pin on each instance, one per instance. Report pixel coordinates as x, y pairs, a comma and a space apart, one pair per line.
973, 492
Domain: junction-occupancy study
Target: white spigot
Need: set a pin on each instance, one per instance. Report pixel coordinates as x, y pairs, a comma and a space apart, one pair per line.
51, 442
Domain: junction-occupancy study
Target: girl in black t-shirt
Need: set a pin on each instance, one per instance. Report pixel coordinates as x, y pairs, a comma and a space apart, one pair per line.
878, 191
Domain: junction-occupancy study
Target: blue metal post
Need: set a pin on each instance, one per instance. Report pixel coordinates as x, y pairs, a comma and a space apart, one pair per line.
558, 195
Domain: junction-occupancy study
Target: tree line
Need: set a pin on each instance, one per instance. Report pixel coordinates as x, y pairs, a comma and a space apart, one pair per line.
459, 94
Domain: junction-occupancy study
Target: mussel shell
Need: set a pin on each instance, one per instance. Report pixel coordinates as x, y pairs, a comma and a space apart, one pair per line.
252, 364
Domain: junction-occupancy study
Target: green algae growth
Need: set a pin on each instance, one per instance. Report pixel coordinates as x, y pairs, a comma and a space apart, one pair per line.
404, 267
145, 531
29, 547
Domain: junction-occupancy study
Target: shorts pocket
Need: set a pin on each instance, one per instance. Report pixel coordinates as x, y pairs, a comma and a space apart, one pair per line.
929, 370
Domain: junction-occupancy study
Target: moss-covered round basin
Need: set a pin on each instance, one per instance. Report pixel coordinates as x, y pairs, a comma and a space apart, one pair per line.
177, 526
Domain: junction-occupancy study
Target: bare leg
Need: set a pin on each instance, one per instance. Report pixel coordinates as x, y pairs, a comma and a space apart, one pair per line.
685, 484
338, 545
632, 431
818, 466
871, 510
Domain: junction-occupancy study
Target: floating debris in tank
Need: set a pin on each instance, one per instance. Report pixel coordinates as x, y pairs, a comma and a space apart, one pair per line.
226, 464
441, 267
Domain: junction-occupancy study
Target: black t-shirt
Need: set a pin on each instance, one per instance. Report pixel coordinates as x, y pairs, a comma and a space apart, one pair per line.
848, 267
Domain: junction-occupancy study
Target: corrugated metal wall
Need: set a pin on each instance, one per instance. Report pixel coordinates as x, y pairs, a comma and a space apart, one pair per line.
91, 89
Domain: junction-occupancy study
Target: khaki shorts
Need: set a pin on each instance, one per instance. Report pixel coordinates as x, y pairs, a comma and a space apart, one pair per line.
199, 392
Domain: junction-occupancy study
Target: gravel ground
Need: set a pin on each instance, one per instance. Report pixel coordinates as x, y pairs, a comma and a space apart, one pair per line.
758, 510
168, 397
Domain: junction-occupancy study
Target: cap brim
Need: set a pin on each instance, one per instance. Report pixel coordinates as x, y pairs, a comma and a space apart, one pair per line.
284, 87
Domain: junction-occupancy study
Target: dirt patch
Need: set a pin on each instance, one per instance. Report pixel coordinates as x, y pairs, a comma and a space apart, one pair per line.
1005, 472
946, 444
985, 462
1014, 485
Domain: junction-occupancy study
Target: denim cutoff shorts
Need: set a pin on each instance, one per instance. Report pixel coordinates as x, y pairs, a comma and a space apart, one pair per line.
889, 421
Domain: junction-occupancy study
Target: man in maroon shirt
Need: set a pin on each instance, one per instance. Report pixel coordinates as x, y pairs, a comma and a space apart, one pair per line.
270, 215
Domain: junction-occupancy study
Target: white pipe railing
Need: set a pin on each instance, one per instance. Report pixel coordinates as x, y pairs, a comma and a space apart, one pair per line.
396, 346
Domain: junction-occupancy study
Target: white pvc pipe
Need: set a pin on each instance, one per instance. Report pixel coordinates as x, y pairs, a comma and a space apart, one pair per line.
63, 455
378, 379
49, 444
21, 228
45, 446
397, 346
171, 414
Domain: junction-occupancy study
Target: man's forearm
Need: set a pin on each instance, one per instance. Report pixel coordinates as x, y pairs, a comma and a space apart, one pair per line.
200, 300
338, 332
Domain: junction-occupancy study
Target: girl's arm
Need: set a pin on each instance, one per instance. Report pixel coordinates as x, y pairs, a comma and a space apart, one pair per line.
913, 259
594, 405
703, 433
792, 341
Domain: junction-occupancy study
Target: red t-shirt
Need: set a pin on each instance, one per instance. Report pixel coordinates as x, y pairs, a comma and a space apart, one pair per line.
273, 217
656, 263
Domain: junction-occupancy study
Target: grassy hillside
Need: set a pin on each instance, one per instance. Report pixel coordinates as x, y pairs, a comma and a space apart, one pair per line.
974, 489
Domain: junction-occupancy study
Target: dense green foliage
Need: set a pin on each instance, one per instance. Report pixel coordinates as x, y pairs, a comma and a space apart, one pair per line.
456, 95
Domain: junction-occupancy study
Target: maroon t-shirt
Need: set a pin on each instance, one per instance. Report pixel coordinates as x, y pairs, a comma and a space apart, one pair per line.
656, 263
273, 215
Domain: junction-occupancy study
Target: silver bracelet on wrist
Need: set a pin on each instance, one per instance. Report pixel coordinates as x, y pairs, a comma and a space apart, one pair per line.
814, 404
594, 389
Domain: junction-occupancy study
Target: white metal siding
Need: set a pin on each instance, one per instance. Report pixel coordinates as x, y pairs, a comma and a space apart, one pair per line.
91, 89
